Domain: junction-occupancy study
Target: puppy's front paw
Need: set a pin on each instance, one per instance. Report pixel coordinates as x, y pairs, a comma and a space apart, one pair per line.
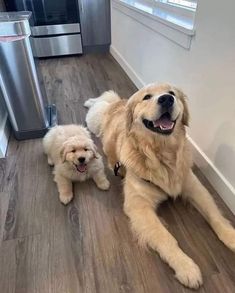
104, 184
189, 274
65, 198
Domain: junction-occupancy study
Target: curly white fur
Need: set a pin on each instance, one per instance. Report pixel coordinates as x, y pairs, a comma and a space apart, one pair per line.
64, 145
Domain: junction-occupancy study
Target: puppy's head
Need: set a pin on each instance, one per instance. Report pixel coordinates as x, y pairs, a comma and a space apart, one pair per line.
159, 108
78, 152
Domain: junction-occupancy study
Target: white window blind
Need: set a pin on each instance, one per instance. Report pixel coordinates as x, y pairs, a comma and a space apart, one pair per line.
190, 4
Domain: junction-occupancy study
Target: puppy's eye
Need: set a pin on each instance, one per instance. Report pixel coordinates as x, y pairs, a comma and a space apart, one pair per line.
171, 93
147, 97
73, 151
85, 149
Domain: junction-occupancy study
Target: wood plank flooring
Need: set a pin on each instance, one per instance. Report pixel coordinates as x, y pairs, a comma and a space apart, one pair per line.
87, 247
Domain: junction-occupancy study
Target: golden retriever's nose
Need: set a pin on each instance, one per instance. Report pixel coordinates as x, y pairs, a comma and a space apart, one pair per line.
166, 101
81, 159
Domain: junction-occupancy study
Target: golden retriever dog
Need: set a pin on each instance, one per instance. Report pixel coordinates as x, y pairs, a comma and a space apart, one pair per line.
147, 135
75, 158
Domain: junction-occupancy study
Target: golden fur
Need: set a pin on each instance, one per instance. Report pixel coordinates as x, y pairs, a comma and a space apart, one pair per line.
165, 161
64, 145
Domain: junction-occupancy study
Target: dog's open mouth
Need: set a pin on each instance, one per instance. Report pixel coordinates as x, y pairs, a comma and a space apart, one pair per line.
81, 167
163, 125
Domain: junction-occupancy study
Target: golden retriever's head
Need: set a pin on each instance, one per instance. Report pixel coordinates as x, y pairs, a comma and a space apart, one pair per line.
161, 108
78, 151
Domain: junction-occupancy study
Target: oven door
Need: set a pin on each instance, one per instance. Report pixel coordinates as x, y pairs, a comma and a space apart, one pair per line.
48, 12
55, 26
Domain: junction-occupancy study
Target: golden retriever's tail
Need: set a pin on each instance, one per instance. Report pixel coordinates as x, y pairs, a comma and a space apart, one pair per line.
97, 108
109, 97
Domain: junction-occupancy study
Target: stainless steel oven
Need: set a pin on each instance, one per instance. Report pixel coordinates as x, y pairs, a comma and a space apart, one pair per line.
55, 25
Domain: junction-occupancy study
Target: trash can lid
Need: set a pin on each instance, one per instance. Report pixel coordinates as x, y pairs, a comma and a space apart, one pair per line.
15, 23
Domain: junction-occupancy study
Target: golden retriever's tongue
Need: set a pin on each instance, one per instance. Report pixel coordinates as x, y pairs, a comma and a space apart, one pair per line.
164, 123
81, 168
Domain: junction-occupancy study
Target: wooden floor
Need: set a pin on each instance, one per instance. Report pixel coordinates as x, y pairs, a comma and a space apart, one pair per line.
87, 247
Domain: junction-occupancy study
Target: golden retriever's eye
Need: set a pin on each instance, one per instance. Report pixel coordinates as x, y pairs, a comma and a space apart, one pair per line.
85, 149
171, 93
73, 151
147, 97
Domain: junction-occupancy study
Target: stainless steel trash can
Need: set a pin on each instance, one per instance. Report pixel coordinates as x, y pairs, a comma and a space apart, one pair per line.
28, 110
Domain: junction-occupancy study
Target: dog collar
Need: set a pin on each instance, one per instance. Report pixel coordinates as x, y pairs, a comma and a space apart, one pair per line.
116, 168
118, 165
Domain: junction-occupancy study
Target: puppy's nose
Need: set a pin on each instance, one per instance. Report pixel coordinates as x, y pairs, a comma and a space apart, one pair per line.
81, 159
166, 101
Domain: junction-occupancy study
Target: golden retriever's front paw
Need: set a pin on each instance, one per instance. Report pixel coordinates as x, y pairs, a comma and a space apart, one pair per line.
189, 274
50, 162
104, 184
66, 198
227, 236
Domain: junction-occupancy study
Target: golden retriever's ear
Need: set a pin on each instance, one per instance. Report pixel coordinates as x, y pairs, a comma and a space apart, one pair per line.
129, 117
185, 118
130, 107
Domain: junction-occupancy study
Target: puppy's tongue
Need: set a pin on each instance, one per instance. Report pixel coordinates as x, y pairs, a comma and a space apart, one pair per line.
164, 122
81, 168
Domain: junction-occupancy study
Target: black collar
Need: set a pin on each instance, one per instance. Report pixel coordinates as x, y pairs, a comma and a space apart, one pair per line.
118, 165
116, 168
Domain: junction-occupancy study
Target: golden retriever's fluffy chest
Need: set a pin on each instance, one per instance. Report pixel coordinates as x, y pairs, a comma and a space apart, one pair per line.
165, 167
169, 172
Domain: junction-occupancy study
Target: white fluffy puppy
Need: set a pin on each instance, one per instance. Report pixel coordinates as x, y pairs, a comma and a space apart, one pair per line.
75, 158
97, 108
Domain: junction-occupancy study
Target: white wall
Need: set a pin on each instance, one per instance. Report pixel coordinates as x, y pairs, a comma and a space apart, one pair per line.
206, 73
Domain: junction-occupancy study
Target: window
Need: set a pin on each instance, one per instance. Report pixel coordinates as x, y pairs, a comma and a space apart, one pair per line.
171, 18
185, 8
191, 4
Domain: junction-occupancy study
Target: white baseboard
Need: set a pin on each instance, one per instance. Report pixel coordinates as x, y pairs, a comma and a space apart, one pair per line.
4, 136
214, 176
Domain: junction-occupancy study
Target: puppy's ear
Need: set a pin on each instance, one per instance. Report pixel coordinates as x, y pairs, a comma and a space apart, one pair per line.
63, 153
185, 117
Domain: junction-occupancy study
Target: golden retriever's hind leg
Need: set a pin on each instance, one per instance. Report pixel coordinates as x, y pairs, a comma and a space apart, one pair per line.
101, 180
151, 232
65, 188
200, 198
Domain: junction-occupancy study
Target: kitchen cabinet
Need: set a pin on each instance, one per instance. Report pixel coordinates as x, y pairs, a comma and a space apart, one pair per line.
95, 25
